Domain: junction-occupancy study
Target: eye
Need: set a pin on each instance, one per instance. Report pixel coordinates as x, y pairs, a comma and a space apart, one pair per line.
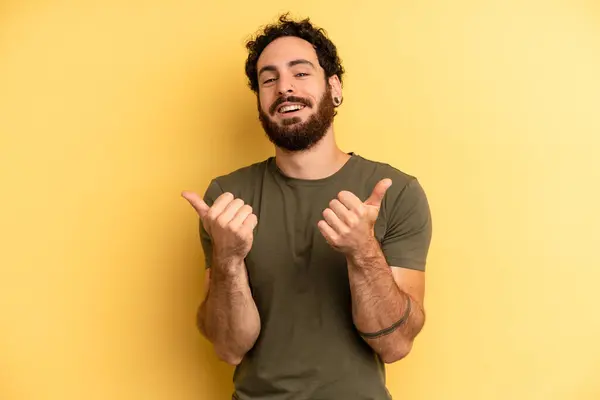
268, 81
301, 74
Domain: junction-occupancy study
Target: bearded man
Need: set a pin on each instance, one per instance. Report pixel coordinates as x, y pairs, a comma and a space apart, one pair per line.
315, 257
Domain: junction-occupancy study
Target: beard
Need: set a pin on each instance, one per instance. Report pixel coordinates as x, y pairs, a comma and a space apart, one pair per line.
294, 135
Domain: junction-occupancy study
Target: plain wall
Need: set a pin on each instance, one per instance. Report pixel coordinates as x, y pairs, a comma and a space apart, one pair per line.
108, 110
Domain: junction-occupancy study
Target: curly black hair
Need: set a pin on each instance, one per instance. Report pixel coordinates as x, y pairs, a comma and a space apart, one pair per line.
326, 51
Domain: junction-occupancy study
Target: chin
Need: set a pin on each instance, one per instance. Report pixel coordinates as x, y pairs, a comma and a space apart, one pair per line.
290, 121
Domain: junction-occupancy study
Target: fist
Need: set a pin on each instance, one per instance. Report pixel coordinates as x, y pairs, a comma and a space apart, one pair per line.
229, 222
348, 223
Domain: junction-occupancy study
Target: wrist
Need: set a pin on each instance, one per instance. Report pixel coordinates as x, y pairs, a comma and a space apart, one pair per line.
226, 263
368, 251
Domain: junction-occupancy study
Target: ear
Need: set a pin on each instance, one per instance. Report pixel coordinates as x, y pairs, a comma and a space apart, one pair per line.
336, 87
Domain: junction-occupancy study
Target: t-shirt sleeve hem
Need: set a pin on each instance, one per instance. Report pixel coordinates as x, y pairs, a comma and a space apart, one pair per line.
398, 262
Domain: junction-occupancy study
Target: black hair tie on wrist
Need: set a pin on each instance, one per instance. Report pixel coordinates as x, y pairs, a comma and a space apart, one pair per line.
393, 327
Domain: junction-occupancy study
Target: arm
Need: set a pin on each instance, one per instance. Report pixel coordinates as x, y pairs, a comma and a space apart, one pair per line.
387, 303
228, 317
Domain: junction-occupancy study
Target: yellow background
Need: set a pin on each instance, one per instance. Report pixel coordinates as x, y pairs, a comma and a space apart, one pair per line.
109, 109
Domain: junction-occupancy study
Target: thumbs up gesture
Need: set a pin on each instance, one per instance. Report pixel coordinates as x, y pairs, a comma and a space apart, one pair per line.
348, 223
229, 222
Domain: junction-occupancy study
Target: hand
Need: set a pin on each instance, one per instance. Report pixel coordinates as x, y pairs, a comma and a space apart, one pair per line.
229, 222
348, 223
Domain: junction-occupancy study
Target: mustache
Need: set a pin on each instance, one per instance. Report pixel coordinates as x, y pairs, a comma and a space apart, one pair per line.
291, 99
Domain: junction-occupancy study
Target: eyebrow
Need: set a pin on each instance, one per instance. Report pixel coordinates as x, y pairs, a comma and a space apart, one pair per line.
291, 64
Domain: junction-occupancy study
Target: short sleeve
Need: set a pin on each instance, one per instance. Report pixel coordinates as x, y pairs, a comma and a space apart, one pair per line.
212, 192
408, 228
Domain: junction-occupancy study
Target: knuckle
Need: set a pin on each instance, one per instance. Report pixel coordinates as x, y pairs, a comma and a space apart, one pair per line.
343, 194
227, 196
235, 204
211, 215
222, 222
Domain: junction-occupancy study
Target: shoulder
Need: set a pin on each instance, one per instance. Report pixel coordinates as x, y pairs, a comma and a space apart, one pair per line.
404, 224
405, 200
242, 174
373, 171
239, 182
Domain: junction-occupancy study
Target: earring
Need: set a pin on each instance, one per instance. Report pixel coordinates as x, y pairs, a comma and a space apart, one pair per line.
337, 101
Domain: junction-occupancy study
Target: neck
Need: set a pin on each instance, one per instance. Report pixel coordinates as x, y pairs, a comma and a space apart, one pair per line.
321, 161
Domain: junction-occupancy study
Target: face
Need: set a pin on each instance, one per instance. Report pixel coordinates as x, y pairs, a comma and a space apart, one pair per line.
295, 100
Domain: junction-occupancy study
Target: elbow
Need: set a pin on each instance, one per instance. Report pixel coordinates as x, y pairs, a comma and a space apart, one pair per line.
231, 360
396, 353
228, 357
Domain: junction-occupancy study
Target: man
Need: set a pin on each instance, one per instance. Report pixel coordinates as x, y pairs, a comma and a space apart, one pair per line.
315, 257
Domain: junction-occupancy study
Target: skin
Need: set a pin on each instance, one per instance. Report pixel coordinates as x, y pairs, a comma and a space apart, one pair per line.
303, 80
228, 315
379, 292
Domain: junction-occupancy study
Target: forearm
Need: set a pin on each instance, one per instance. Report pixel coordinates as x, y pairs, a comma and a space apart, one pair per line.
388, 317
228, 317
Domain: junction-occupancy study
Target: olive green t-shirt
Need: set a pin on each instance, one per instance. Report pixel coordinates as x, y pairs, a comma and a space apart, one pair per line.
308, 347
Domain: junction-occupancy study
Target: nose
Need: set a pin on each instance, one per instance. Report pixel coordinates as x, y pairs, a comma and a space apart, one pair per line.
284, 86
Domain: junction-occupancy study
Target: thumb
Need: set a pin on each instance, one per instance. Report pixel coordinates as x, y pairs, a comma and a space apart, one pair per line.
199, 205
378, 192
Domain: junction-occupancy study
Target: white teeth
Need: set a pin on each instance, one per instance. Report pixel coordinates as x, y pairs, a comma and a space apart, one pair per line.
292, 107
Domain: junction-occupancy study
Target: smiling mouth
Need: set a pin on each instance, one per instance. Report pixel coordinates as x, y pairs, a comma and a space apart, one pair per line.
289, 109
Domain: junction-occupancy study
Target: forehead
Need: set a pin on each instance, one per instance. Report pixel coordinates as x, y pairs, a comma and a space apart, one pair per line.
285, 49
